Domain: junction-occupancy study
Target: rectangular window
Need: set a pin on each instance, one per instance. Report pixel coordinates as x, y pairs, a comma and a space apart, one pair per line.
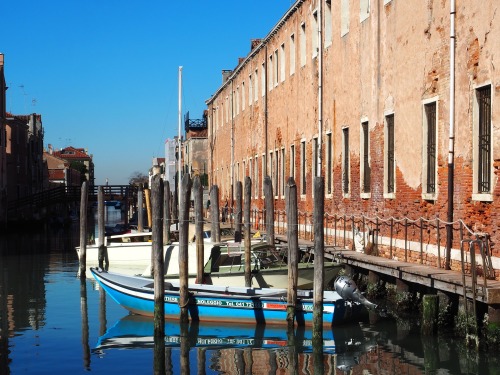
315, 157
262, 174
292, 161
329, 165
344, 17
303, 44
243, 98
282, 62
270, 72
256, 88
276, 184
256, 176
237, 100
303, 167
328, 23
390, 159
292, 54
365, 152
276, 68
364, 10
250, 90
484, 140
314, 36
271, 170
345, 161
430, 147
263, 78
282, 174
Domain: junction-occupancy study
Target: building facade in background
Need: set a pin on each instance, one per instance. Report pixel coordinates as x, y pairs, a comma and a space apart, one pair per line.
359, 92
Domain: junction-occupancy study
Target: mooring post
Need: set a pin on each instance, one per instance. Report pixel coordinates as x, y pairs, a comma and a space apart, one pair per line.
83, 229
140, 216
239, 209
157, 250
214, 213
166, 213
248, 245
293, 248
319, 258
147, 197
430, 310
183, 247
269, 205
198, 223
102, 252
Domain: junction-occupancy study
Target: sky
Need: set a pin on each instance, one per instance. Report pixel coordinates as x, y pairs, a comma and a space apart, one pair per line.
104, 74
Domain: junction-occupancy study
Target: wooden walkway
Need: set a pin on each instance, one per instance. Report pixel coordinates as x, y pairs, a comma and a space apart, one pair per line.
440, 279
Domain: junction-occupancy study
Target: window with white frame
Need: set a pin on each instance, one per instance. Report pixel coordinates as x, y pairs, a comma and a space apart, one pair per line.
303, 167
237, 100
346, 166
250, 90
292, 54
390, 160
364, 10
276, 68
482, 145
282, 173
344, 17
329, 164
256, 88
271, 170
365, 169
276, 173
429, 168
262, 174
292, 161
314, 34
328, 23
315, 157
282, 62
263, 78
302, 44
270, 72
256, 176
243, 98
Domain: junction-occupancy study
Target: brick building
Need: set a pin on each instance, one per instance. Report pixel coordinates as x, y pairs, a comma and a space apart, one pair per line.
359, 93
73, 154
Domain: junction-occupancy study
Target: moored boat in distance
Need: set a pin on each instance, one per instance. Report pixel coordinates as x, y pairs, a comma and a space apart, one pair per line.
224, 304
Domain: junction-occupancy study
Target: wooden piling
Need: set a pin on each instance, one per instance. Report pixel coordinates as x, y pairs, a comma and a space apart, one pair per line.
140, 216
198, 222
157, 250
214, 213
238, 214
183, 247
102, 256
293, 247
430, 310
166, 213
269, 206
248, 245
83, 229
319, 257
147, 197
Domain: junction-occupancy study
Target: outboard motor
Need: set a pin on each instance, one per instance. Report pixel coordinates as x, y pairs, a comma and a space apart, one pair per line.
348, 289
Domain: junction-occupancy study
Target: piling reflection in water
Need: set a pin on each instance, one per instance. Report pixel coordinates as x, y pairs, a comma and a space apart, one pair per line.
46, 314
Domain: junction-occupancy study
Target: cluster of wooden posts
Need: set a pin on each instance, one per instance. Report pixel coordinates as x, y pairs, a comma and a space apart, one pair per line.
161, 209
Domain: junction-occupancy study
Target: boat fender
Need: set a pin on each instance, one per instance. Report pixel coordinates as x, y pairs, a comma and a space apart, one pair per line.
347, 289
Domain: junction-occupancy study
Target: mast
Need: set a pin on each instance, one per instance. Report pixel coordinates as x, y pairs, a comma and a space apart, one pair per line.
179, 143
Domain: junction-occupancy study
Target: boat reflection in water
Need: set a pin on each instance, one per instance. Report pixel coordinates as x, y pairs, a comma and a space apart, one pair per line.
267, 345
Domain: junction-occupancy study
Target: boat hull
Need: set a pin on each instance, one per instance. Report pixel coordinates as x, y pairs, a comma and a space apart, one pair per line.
211, 304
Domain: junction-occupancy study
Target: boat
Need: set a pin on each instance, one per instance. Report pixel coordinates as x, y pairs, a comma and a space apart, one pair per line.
223, 304
269, 266
130, 254
135, 331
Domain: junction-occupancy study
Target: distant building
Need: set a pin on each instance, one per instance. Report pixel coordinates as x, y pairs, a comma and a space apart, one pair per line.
72, 154
195, 157
60, 173
170, 162
3, 160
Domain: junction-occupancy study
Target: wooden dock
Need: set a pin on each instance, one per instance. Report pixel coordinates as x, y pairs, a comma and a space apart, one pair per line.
447, 281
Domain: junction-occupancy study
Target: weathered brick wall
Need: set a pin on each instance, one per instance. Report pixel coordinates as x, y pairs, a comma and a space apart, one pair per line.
388, 64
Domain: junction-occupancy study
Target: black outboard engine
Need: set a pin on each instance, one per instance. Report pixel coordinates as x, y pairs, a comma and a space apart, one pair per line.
348, 289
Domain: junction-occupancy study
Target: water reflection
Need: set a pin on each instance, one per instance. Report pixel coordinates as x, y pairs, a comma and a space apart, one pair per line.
46, 314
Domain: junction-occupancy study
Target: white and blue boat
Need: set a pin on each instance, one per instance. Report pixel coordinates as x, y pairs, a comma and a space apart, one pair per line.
211, 303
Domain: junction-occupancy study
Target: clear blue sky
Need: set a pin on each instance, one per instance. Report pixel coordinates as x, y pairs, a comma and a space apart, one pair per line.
104, 73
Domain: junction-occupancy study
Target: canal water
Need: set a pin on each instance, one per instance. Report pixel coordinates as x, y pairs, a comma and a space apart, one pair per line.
53, 323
